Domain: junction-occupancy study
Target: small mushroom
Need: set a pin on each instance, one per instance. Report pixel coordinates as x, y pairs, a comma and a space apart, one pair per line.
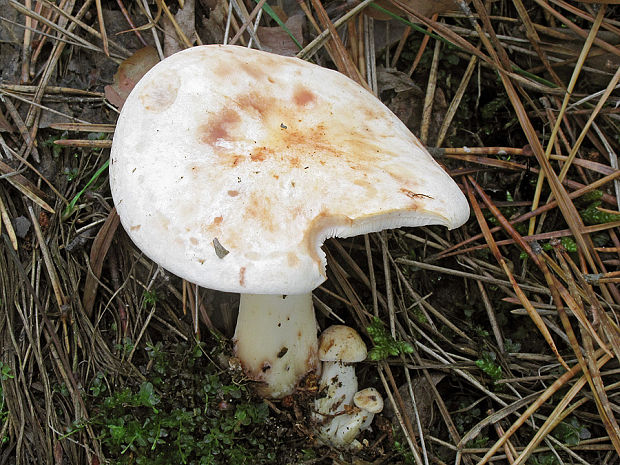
343, 429
370, 402
339, 347
231, 166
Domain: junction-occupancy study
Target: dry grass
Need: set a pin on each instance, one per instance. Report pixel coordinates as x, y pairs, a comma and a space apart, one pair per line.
73, 288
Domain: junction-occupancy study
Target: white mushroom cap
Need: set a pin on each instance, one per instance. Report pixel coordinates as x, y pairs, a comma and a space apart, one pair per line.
340, 343
368, 399
231, 166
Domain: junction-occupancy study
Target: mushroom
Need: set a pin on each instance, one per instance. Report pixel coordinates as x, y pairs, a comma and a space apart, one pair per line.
370, 402
339, 347
231, 166
342, 430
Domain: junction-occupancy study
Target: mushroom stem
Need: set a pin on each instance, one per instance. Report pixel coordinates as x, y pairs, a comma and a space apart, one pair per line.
338, 385
344, 428
275, 340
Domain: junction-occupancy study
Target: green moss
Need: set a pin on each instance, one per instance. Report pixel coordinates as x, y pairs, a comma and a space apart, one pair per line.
186, 412
384, 344
592, 215
487, 363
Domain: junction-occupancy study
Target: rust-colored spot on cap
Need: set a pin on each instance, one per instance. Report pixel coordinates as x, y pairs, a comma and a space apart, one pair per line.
219, 128
257, 103
242, 276
255, 71
303, 96
260, 154
259, 208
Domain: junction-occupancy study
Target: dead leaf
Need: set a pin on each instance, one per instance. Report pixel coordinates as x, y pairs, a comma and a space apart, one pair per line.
129, 73
212, 28
185, 19
408, 101
392, 79
98, 252
423, 398
423, 7
58, 453
280, 13
388, 34
276, 40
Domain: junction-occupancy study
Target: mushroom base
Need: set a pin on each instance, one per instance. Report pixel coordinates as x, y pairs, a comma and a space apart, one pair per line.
338, 385
276, 341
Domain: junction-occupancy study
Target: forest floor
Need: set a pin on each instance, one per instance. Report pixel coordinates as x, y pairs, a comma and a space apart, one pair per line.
496, 342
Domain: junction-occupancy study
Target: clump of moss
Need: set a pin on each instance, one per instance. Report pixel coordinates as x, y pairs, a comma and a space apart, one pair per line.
384, 344
186, 412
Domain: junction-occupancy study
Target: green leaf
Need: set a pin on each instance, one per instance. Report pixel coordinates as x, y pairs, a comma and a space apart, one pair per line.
5, 372
69, 208
147, 397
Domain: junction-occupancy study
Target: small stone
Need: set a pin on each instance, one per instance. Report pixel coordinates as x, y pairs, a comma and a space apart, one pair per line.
21, 225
